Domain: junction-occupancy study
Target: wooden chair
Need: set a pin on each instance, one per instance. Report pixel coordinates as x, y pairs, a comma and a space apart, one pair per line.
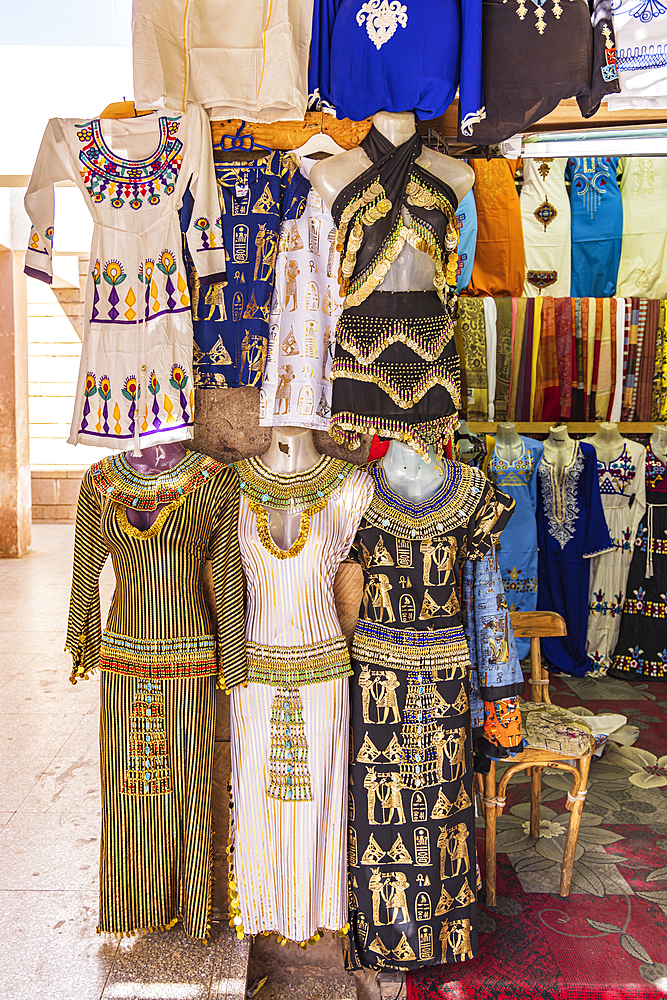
534, 625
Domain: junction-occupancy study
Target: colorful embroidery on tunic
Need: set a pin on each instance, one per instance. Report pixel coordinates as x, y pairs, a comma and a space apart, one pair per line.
295, 492
542, 279
132, 182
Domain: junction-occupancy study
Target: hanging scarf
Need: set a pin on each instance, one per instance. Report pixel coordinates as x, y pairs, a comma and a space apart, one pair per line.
517, 349
605, 366
503, 356
547, 391
371, 230
647, 361
564, 346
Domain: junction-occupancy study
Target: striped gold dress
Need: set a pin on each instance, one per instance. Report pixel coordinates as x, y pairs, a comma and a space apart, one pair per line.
161, 655
289, 725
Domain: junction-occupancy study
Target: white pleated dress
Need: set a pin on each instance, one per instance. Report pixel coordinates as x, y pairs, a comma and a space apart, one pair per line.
290, 724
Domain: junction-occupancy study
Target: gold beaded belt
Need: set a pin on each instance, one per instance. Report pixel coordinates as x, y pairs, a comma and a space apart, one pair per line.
292, 666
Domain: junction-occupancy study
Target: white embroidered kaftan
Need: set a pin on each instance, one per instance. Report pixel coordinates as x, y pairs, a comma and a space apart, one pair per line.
545, 216
238, 60
296, 388
135, 380
623, 493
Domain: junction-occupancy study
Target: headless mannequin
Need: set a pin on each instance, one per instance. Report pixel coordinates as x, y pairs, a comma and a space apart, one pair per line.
508, 442
151, 462
292, 449
558, 448
659, 442
409, 475
412, 271
607, 442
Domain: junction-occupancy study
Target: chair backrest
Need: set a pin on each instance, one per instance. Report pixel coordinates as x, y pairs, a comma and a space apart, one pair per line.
534, 625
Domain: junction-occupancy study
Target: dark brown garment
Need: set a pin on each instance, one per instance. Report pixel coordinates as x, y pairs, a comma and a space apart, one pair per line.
535, 56
647, 365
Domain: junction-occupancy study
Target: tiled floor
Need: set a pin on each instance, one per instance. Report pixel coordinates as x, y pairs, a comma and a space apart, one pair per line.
49, 817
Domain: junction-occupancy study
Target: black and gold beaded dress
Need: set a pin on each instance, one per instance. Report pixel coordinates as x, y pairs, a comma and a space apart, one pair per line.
160, 655
411, 849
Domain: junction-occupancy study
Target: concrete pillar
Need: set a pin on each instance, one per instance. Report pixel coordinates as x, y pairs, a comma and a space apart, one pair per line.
15, 503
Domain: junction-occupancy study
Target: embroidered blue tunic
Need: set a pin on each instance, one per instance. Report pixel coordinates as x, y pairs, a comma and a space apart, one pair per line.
571, 527
597, 225
384, 55
518, 550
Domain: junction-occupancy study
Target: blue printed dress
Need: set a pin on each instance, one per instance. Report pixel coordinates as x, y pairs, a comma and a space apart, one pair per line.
571, 528
518, 550
596, 210
231, 320
384, 55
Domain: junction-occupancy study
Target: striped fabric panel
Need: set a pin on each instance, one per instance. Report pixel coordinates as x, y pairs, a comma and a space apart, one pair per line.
290, 601
641, 328
159, 576
155, 850
290, 858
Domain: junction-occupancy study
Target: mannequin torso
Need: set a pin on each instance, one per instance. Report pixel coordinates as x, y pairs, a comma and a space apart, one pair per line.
508, 442
558, 448
292, 449
409, 475
607, 442
659, 442
412, 271
151, 462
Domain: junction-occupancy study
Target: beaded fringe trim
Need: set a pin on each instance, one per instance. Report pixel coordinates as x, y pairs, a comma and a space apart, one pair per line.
148, 771
288, 769
402, 649
180, 656
346, 428
281, 666
385, 377
366, 337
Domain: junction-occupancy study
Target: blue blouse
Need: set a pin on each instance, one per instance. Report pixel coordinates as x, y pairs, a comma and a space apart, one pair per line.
385, 55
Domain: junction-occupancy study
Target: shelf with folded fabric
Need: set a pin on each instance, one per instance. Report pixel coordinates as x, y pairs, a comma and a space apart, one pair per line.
573, 426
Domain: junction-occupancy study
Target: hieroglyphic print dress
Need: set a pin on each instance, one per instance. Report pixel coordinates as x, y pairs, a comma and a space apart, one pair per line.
411, 848
159, 660
623, 493
641, 650
306, 304
289, 725
135, 377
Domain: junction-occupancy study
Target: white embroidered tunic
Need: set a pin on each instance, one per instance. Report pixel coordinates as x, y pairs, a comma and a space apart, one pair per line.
135, 380
296, 388
238, 60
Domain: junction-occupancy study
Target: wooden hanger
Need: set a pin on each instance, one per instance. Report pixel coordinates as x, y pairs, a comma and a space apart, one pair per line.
123, 109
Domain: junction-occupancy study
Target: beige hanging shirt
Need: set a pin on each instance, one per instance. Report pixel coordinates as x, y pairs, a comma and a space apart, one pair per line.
236, 59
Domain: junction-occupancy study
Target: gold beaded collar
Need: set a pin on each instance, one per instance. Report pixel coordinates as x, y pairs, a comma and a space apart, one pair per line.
452, 506
293, 492
115, 478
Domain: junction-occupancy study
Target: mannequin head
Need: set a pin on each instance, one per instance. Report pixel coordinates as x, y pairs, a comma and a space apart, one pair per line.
409, 474
157, 459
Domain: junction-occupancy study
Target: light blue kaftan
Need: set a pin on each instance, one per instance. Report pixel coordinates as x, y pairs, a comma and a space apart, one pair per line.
596, 209
518, 546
